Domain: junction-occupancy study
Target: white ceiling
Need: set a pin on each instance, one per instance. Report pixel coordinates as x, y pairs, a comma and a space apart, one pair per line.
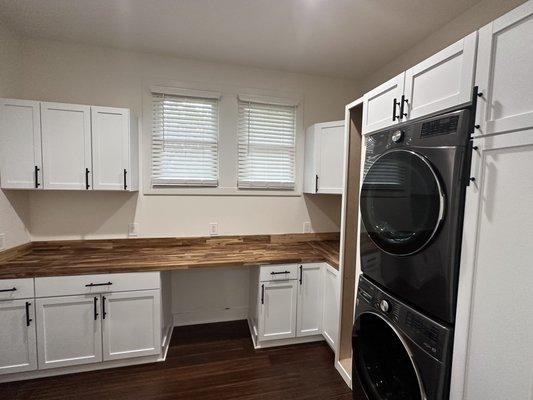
346, 38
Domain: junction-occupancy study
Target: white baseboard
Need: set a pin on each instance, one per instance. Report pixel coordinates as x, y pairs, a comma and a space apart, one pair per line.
209, 316
345, 375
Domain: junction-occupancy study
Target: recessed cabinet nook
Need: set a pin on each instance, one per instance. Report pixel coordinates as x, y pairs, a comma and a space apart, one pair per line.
56, 146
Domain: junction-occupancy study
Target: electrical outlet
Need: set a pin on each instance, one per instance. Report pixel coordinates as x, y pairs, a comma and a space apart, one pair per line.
307, 227
133, 229
2, 241
213, 229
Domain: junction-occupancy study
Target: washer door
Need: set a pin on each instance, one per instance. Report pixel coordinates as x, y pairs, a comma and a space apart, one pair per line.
402, 202
383, 361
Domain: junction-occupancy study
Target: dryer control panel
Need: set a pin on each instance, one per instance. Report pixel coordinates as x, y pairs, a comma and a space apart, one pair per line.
431, 336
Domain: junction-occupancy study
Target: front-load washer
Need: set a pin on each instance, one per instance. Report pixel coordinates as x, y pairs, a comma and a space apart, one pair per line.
398, 353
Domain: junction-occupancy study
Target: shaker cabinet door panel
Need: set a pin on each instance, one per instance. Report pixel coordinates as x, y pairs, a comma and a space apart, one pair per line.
68, 331
110, 146
504, 73
310, 299
442, 81
17, 336
20, 144
330, 158
66, 142
277, 304
381, 106
131, 324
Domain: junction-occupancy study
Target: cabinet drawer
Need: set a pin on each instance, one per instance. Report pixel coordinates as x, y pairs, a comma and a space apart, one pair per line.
16, 289
280, 272
101, 283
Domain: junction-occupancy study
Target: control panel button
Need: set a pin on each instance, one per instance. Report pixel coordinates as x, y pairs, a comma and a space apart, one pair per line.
397, 136
384, 305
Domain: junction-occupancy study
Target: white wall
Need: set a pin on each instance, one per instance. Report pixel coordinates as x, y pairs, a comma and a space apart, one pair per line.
471, 20
14, 212
96, 75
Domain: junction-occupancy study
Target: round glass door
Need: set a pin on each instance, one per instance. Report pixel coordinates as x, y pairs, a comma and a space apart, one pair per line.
401, 202
383, 365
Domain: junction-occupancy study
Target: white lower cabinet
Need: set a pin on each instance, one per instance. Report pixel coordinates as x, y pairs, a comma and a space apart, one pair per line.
277, 317
310, 299
331, 306
302, 306
128, 312
17, 336
68, 331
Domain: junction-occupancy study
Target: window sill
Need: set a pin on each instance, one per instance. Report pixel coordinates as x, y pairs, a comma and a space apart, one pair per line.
218, 191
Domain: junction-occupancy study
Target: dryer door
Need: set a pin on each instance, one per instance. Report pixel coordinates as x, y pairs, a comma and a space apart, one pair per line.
402, 202
383, 361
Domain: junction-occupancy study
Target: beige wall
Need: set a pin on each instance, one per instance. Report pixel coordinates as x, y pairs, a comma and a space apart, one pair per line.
94, 75
474, 18
14, 212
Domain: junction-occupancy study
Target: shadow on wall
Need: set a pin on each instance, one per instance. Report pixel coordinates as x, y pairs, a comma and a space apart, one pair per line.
14, 205
81, 215
324, 209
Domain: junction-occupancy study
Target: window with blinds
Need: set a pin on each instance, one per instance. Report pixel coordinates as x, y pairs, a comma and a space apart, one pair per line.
266, 145
184, 140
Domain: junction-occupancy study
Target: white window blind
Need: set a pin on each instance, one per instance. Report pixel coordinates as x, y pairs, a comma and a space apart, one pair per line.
184, 140
266, 145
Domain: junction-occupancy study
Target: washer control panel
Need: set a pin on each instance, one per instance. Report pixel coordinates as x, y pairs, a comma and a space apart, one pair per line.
426, 333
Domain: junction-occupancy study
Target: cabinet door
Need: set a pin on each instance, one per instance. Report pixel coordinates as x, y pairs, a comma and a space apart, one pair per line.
17, 336
110, 148
330, 163
381, 105
504, 73
442, 81
277, 318
500, 342
331, 306
66, 136
310, 299
68, 331
131, 324
20, 144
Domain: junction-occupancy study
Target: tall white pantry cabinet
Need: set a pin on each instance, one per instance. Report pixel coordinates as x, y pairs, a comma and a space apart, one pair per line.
57, 146
493, 351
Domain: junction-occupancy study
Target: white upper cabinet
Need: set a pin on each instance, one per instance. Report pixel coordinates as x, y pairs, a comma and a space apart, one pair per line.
18, 351
442, 81
503, 75
310, 299
20, 144
324, 158
113, 146
382, 105
66, 136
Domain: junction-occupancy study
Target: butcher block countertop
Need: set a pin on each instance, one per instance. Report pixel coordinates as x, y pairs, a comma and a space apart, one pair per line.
79, 257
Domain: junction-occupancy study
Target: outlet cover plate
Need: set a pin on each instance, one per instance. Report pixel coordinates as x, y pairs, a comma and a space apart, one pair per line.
213, 229
2, 241
133, 229
307, 227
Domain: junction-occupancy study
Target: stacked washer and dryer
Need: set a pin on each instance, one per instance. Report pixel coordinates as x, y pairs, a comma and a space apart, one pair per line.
412, 204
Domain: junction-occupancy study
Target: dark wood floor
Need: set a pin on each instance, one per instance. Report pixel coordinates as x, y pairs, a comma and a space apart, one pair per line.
212, 361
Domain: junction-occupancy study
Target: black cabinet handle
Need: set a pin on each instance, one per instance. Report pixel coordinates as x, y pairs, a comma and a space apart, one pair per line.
125, 185
316, 183
28, 319
98, 284
403, 102
394, 104
87, 186
280, 273
95, 308
36, 171
262, 294
104, 313
301, 274
8, 290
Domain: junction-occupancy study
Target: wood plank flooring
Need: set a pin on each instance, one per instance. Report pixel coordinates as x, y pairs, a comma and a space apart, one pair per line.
208, 362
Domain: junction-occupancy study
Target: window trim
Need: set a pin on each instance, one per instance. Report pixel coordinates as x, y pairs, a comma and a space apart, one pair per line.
228, 150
